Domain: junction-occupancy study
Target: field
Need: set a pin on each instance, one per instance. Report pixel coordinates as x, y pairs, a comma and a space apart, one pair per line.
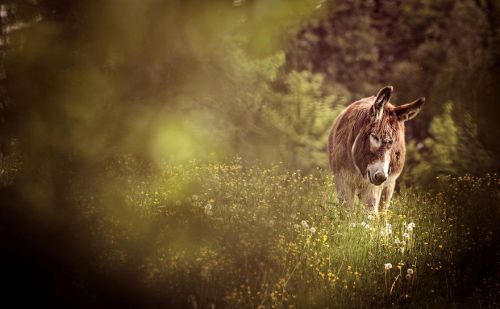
205, 235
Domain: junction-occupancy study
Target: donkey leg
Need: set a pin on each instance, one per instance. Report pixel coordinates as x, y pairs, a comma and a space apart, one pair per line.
370, 197
387, 196
345, 192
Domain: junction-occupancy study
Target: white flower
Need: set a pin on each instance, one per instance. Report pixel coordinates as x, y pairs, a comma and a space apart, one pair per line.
406, 235
312, 230
410, 227
208, 210
304, 224
370, 217
388, 226
387, 266
396, 241
363, 224
409, 271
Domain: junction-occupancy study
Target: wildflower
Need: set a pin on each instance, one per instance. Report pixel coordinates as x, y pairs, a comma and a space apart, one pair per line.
370, 217
353, 224
406, 235
363, 224
208, 209
388, 229
312, 230
410, 227
396, 241
387, 266
409, 271
304, 224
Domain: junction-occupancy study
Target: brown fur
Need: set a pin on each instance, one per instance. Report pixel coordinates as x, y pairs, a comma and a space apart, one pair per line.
349, 164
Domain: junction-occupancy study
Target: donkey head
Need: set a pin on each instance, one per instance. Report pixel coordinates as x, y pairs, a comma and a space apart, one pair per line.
383, 135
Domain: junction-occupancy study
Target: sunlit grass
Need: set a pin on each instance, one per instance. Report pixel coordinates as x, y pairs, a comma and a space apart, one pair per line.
238, 236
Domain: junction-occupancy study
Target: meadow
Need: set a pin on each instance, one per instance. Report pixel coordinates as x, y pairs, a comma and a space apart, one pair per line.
238, 235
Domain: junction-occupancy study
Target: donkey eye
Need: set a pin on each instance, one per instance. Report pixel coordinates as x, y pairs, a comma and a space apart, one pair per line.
374, 136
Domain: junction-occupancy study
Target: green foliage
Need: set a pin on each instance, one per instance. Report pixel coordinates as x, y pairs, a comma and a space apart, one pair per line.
449, 150
301, 118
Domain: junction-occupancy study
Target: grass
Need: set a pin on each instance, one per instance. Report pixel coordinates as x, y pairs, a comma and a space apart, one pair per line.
228, 235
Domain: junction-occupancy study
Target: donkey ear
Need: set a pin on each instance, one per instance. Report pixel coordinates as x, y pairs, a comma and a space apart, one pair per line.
382, 98
410, 110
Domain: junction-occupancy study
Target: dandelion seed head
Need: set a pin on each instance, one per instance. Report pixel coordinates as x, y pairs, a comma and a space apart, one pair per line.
312, 230
387, 266
409, 271
304, 224
406, 235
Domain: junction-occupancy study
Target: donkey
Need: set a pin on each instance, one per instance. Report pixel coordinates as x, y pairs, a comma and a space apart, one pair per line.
366, 148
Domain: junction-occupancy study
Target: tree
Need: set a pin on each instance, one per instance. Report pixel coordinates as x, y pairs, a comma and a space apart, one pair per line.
450, 149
